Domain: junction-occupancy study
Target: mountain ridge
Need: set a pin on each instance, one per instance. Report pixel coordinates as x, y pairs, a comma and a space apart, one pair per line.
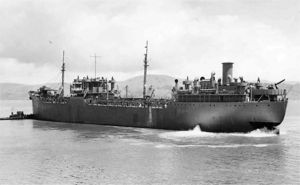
161, 83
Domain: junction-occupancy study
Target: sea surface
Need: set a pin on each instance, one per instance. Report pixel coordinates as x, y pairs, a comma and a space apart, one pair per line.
42, 152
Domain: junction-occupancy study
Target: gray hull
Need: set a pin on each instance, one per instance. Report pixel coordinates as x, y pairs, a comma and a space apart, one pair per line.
211, 117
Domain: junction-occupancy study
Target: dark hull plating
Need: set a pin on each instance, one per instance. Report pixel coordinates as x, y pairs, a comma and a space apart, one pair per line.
211, 117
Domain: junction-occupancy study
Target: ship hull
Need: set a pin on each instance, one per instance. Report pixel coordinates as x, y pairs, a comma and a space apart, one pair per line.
211, 117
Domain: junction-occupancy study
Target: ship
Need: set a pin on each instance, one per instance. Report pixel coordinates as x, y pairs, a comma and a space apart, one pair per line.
226, 104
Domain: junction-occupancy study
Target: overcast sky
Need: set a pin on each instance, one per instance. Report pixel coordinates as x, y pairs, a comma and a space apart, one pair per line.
191, 37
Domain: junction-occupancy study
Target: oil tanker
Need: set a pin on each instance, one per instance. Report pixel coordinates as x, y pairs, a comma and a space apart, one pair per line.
224, 105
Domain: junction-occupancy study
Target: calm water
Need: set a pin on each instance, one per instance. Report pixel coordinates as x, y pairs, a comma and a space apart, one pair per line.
40, 152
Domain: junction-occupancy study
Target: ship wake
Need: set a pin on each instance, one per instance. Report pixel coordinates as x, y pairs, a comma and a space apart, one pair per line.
213, 145
198, 133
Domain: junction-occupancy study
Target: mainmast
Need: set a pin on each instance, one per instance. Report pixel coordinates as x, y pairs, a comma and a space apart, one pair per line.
145, 70
63, 74
126, 90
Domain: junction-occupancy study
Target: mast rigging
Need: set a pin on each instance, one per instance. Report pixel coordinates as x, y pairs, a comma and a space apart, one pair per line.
95, 56
145, 70
63, 74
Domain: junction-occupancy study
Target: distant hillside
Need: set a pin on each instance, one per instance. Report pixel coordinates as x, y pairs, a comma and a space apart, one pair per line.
13, 91
292, 89
161, 83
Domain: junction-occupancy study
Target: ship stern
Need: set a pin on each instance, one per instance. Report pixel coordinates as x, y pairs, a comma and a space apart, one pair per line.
270, 116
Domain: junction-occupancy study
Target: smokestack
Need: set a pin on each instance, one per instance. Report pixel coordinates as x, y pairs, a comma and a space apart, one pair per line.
227, 72
176, 84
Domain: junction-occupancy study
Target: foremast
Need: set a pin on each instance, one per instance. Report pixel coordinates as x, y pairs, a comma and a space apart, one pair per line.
145, 70
63, 75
